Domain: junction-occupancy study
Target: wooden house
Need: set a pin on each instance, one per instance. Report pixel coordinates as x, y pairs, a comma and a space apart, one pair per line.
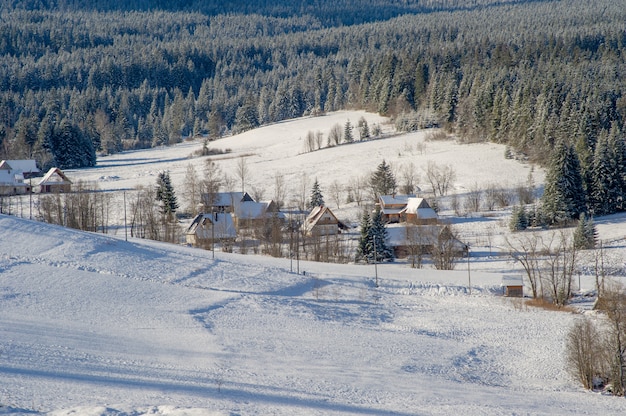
410, 239
208, 228
54, 181
391, 207
321, 221
513, 286
417, 211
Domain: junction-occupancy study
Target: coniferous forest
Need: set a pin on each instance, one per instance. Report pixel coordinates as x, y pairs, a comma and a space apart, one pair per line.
80, 77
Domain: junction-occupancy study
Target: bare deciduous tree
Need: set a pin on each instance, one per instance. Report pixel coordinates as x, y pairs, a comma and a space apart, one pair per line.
279, 190
242, 172
409, 179
336, 192
583, 352
473, 199
211, 184
440, 178
192, 189
335, 135
525, 250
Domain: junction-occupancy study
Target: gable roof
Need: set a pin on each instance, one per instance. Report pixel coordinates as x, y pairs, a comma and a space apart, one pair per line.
391, 200
52, 177
25, 166
419, 207
223, 221
317, 213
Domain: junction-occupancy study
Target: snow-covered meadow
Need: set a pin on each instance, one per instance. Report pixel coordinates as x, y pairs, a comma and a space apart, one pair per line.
91, 324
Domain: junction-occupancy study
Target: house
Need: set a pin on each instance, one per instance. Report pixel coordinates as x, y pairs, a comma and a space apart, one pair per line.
410, 239
391, 206
251, 214
208, 228
28, 167
12, 179
54, 181
513, 286
321, 221
224, 201
419, 212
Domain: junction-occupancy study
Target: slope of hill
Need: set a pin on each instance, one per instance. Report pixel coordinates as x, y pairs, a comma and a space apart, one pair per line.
92, 325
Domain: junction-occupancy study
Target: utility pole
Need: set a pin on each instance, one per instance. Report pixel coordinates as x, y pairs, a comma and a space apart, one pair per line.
375, 261
469, 277
125, 228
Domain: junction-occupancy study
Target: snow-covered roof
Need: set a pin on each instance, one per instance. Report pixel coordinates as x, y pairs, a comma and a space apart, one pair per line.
403, 234
512, 280
230, 199
24, 166
54, 176
420, 207
387, 200
250, 210
223, 221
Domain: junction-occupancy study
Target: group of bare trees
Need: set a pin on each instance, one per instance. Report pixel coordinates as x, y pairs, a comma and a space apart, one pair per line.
596, 348
549, 261
85, 208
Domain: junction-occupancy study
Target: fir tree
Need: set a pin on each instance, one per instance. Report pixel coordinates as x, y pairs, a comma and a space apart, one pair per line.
317, 199
165, 195
564, 197
382, 181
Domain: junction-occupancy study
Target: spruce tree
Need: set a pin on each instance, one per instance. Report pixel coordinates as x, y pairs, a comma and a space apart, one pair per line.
564, 197
377, 240
317, 199
383, 181
165, 195
362, 248
348, 137
519, 219
585, 234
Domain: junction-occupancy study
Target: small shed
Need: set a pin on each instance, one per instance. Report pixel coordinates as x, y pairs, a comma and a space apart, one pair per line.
513, 286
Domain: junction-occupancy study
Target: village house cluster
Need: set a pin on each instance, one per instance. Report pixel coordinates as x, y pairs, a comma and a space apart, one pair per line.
16, 178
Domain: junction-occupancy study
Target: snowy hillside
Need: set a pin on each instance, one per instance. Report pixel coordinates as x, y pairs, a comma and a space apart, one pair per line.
93, 325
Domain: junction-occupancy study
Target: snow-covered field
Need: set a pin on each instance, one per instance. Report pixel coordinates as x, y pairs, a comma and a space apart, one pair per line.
94, 325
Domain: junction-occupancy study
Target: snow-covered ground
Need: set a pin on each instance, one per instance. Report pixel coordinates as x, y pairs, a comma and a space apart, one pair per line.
93, 325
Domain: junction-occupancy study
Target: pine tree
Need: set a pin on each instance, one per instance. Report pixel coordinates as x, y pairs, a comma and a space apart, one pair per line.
382, 181
317, 199
564, 196
165, 195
